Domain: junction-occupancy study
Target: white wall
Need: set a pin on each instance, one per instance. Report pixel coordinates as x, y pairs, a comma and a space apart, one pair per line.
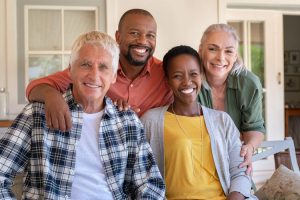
2, 44
178, 21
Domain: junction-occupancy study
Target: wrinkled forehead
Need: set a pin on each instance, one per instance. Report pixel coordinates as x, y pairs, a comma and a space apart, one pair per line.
221, 38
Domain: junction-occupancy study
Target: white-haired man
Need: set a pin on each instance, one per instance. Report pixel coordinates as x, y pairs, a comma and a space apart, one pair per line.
103, 156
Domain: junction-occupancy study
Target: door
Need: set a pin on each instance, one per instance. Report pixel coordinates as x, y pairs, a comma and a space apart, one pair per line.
261, 47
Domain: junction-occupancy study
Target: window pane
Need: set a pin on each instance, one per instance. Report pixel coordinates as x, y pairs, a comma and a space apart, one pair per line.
66, 61
238, 26
43, 65
76, 23
257, 50
44, 30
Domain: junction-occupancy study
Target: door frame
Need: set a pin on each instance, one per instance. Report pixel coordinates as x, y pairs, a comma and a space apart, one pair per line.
274, 83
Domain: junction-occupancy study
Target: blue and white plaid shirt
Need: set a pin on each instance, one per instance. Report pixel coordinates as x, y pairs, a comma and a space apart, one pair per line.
48, 156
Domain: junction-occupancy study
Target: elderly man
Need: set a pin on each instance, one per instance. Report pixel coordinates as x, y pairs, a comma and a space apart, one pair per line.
140, 77
103, 156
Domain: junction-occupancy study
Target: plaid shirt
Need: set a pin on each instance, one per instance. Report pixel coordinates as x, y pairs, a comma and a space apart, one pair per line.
48, 156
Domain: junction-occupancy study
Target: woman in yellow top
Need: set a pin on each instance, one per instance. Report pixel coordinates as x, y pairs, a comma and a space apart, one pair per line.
197, 149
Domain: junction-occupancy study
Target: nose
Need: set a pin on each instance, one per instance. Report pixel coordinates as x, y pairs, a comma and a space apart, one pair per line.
142, 39
187, 80
221, 55
94, 72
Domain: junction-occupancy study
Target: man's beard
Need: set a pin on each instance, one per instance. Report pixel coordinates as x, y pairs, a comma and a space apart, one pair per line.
134, 62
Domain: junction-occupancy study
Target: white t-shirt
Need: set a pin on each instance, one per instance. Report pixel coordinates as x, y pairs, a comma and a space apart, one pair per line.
89, 178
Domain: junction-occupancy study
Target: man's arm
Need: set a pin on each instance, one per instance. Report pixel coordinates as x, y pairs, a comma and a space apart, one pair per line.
60, 81
48, 90
14, 151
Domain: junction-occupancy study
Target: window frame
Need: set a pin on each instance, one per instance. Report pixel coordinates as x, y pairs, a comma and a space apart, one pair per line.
62, 52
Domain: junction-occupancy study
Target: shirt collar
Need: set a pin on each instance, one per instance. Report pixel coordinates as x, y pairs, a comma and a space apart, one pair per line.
109, 108
146, 69
230, 82
69, 98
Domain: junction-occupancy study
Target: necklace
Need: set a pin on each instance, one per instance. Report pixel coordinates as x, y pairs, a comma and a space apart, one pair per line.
190, 140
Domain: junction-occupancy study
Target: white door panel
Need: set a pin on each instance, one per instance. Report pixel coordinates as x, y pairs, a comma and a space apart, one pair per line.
271, 22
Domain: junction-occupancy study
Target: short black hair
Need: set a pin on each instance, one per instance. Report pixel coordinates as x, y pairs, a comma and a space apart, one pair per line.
133, 11
176, 51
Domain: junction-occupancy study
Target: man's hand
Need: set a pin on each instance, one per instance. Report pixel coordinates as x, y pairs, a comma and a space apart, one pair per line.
57, 113
123, 105
247, 151
235, 196
56, 109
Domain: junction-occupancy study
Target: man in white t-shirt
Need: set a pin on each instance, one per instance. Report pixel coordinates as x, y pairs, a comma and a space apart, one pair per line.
103, 156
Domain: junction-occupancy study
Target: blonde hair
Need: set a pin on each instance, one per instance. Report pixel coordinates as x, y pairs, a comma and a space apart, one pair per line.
238, 65
98, 39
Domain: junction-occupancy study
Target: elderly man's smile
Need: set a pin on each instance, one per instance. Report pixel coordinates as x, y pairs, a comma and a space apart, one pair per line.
90, 85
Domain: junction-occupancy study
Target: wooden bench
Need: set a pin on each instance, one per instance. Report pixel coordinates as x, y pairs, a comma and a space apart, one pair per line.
275, 148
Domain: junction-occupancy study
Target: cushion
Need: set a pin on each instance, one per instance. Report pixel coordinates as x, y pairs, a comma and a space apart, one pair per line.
284, 184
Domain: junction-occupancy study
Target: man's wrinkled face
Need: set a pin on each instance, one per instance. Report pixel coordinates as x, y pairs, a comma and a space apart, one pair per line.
92, 74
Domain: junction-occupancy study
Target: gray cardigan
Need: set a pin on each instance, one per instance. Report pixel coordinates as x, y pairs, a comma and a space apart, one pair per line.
225, 144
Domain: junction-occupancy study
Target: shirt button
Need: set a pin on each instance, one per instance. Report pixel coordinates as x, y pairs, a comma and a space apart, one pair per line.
131, 85
66, 197
72, 172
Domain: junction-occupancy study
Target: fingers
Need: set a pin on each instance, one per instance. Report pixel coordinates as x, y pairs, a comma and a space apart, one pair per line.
68, 121
249, 170
246, 152
58, 115
137, 110
54, 122
122, 104
48, 118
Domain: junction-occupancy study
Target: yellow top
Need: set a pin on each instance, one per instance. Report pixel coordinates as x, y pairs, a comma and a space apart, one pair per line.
190, 172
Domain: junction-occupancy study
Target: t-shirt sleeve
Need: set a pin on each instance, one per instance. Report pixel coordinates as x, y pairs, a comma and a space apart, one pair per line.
59, 80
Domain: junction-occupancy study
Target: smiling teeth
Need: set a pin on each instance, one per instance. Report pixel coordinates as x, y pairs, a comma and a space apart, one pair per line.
92, 86
216, 65
187, 91
140, 50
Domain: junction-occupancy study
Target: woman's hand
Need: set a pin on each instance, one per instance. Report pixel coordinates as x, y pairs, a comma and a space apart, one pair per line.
247, 151
252, 140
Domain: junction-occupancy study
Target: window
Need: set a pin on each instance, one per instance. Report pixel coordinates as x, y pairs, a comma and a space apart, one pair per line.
49, 34
45, 32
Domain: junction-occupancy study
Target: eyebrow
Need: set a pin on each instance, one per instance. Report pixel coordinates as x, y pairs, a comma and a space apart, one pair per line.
229, 47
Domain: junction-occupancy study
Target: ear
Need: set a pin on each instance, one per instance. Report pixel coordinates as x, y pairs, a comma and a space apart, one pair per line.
167, 80
69, 69
114, 79
200, 51
117, 36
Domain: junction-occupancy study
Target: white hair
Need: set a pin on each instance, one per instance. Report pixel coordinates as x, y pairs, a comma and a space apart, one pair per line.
238, 65
98, 39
